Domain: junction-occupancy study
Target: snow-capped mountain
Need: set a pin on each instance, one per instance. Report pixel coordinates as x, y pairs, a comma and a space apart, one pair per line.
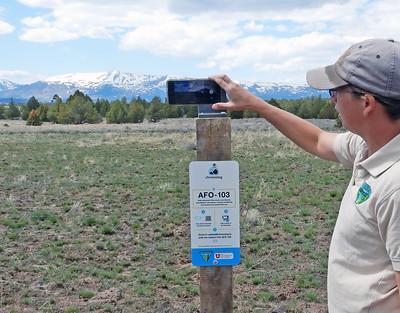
6, 85
114, 78
115, 84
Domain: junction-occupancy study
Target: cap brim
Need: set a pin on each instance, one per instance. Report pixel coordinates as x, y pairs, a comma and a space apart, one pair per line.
325, 78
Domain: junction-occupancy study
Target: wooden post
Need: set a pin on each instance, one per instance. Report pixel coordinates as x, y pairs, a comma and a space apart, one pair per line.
214, 144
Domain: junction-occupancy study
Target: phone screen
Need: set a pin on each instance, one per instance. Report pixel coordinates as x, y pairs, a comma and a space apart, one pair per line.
195, 91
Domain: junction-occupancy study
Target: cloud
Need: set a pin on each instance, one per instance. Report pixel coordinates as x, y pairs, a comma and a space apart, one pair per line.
68, 20
194, 37
377, 18
253, 26
5, 28
195, 7
264, 37
279, 59
42, 3
19, 76
48, 34
124, 19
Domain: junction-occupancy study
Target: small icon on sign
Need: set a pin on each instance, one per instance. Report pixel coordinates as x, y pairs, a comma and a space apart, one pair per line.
225, 218
208, 218
213, 170
224, 256
205, 255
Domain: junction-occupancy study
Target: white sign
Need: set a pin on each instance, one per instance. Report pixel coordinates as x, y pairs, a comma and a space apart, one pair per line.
214, 213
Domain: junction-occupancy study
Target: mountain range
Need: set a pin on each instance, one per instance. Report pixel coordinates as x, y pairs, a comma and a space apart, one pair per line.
115, 84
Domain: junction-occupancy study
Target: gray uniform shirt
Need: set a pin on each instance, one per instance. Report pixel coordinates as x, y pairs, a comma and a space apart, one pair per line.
365, 247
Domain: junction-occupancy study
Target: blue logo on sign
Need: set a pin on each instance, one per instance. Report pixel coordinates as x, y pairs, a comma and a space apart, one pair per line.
215, 256
205, 255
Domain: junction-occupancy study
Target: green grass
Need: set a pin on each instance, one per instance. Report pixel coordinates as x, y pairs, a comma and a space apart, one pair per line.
81, 214
86, 294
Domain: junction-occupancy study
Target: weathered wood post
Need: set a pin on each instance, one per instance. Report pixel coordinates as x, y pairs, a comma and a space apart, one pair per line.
214, 144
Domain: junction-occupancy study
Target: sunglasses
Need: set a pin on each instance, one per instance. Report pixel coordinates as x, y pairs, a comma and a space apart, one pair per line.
333, 92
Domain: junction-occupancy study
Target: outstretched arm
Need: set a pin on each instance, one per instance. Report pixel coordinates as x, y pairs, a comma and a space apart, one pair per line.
398, 281
301, 132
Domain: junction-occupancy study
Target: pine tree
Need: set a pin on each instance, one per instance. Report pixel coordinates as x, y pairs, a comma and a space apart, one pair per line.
57, 101
170, 111
136, 113
235, 114
102, 107
42, 112
304, 110
191, 111
154, 113
78, 109
118, 113
54, 109
12, 112
328, 112
274, 102
52, 114
32, 104
24, 112
250, 114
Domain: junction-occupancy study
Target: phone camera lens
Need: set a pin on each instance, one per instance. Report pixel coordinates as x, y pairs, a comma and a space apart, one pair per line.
211, 91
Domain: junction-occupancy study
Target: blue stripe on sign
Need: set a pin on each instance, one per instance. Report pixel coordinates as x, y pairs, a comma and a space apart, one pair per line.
215, 256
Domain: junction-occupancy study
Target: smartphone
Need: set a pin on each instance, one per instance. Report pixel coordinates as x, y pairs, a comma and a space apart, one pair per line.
194, 92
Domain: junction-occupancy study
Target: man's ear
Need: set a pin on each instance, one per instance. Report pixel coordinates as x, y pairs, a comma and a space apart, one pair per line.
369, 105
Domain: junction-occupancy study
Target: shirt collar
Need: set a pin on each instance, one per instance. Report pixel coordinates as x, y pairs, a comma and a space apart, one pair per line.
384, 158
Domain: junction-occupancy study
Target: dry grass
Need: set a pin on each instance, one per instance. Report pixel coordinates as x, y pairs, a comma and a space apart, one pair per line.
170, 125
98, 221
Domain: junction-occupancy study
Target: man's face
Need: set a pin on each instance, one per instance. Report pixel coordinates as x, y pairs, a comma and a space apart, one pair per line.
349, 107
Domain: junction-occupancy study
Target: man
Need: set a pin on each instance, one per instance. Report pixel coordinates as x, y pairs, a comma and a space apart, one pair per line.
364, 85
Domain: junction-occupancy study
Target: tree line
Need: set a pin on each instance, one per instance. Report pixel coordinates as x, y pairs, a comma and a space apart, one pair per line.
80, 108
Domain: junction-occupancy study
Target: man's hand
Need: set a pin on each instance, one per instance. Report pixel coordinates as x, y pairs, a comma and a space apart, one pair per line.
239, 98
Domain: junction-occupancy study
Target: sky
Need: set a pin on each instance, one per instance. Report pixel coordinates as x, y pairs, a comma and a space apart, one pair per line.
250, 40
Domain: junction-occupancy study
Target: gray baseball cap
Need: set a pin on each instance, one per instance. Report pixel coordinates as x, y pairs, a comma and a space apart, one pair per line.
372, 65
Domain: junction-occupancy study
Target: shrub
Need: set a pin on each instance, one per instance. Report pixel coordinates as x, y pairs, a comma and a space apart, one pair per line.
78, 109
235, 114
118, 113
52, 114
34, 119
86, 294
136, 113
12, 112
154, 113
191, 111
42, 112
102, 107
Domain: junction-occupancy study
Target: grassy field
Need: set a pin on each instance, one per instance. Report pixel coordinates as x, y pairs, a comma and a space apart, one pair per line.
99, 222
